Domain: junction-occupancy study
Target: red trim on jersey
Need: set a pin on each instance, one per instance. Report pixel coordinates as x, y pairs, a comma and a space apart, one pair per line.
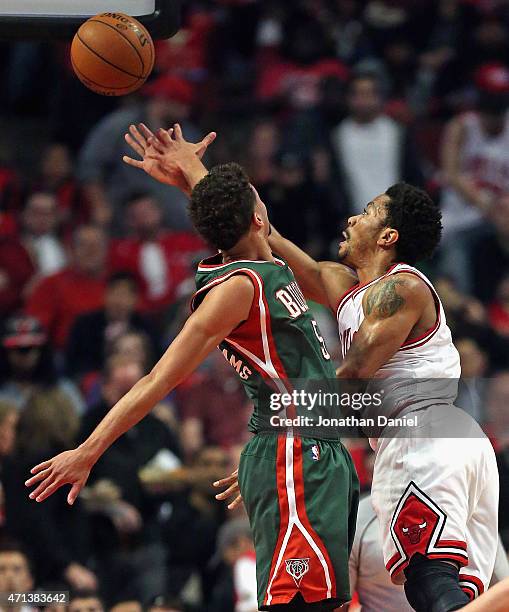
429, 333
460, 557
319, 590
217, 281
278, 261
470, 590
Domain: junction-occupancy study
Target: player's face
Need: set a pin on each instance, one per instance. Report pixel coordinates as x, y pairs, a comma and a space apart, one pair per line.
362, 232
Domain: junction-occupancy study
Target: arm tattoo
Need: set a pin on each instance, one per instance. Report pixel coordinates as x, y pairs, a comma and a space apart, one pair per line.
383, 300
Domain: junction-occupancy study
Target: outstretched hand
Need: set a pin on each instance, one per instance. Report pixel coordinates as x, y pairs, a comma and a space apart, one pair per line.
70, 467
232, 490
159, 152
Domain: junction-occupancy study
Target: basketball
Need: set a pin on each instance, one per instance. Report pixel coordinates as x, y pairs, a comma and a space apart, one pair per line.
112, 54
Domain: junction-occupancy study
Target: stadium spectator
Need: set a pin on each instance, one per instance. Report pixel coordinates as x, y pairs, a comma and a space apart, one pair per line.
368, 576
499, 308
8, 423
235, 588
162, 603
16, 270
491, 245
372, 150
93, 332
467, 317
127, 538
15, 571
85, 601
27, 365
202, 412
135, 346
56, 176
108, 181
190, 530
130, 605
306, 56
474, 369
475, 165
60, 550
160, 259
40, 234
58, 299
497, 398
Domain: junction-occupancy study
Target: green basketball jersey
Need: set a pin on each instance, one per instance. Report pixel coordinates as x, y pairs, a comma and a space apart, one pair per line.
279, 341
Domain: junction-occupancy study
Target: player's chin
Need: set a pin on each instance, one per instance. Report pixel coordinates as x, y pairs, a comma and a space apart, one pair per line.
343, 251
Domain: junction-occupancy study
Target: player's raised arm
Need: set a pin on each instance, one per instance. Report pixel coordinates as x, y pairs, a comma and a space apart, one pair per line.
321, 281
222, 310
392, 309
168, 158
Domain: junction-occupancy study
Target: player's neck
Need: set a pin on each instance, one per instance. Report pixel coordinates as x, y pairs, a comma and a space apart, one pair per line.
247, 248
374, 268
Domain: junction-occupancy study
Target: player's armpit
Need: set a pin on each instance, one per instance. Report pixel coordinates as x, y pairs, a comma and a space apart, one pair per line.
323, 282
392, 308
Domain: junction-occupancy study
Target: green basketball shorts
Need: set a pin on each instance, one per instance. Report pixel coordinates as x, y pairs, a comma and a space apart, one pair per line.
301, 496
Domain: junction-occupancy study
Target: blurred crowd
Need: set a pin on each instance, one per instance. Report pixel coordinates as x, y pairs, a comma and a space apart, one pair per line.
326, 103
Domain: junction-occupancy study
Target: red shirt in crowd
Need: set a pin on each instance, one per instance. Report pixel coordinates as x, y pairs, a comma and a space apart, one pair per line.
160, 265
300, 83
58, 299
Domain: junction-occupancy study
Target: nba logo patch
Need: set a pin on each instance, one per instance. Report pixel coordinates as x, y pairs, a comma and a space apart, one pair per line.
315, 452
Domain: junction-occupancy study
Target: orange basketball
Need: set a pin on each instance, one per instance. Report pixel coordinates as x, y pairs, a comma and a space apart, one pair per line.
112, 54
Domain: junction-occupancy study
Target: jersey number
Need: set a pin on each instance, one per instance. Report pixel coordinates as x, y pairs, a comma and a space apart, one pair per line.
320, 339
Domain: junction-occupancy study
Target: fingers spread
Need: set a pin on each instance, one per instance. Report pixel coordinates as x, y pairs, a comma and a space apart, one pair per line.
155, 144
209, 139
49, 490
73, 493
225, 481
134, 145
147, 132
236, 502
231, 490
39, 476
42, 487
178, 133
135, 133
165, 136
40, 466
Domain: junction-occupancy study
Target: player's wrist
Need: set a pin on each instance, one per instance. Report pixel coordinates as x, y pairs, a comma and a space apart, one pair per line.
192, 169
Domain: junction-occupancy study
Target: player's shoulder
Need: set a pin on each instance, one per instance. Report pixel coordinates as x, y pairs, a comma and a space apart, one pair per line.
399, 289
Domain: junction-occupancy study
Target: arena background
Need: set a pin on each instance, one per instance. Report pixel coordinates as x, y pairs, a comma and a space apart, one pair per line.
325, 103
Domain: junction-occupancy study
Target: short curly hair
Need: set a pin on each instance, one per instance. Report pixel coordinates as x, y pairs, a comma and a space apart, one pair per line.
222, 205
418, 220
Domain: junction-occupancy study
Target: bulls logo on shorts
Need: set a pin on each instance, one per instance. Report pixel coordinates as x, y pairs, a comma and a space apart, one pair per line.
417, 527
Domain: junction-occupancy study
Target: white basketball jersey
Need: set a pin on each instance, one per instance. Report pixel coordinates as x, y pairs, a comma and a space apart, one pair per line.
485, 159
430, 356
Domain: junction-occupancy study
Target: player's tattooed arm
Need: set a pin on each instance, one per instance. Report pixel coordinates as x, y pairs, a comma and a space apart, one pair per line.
392, 309
383, 299
321, 281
